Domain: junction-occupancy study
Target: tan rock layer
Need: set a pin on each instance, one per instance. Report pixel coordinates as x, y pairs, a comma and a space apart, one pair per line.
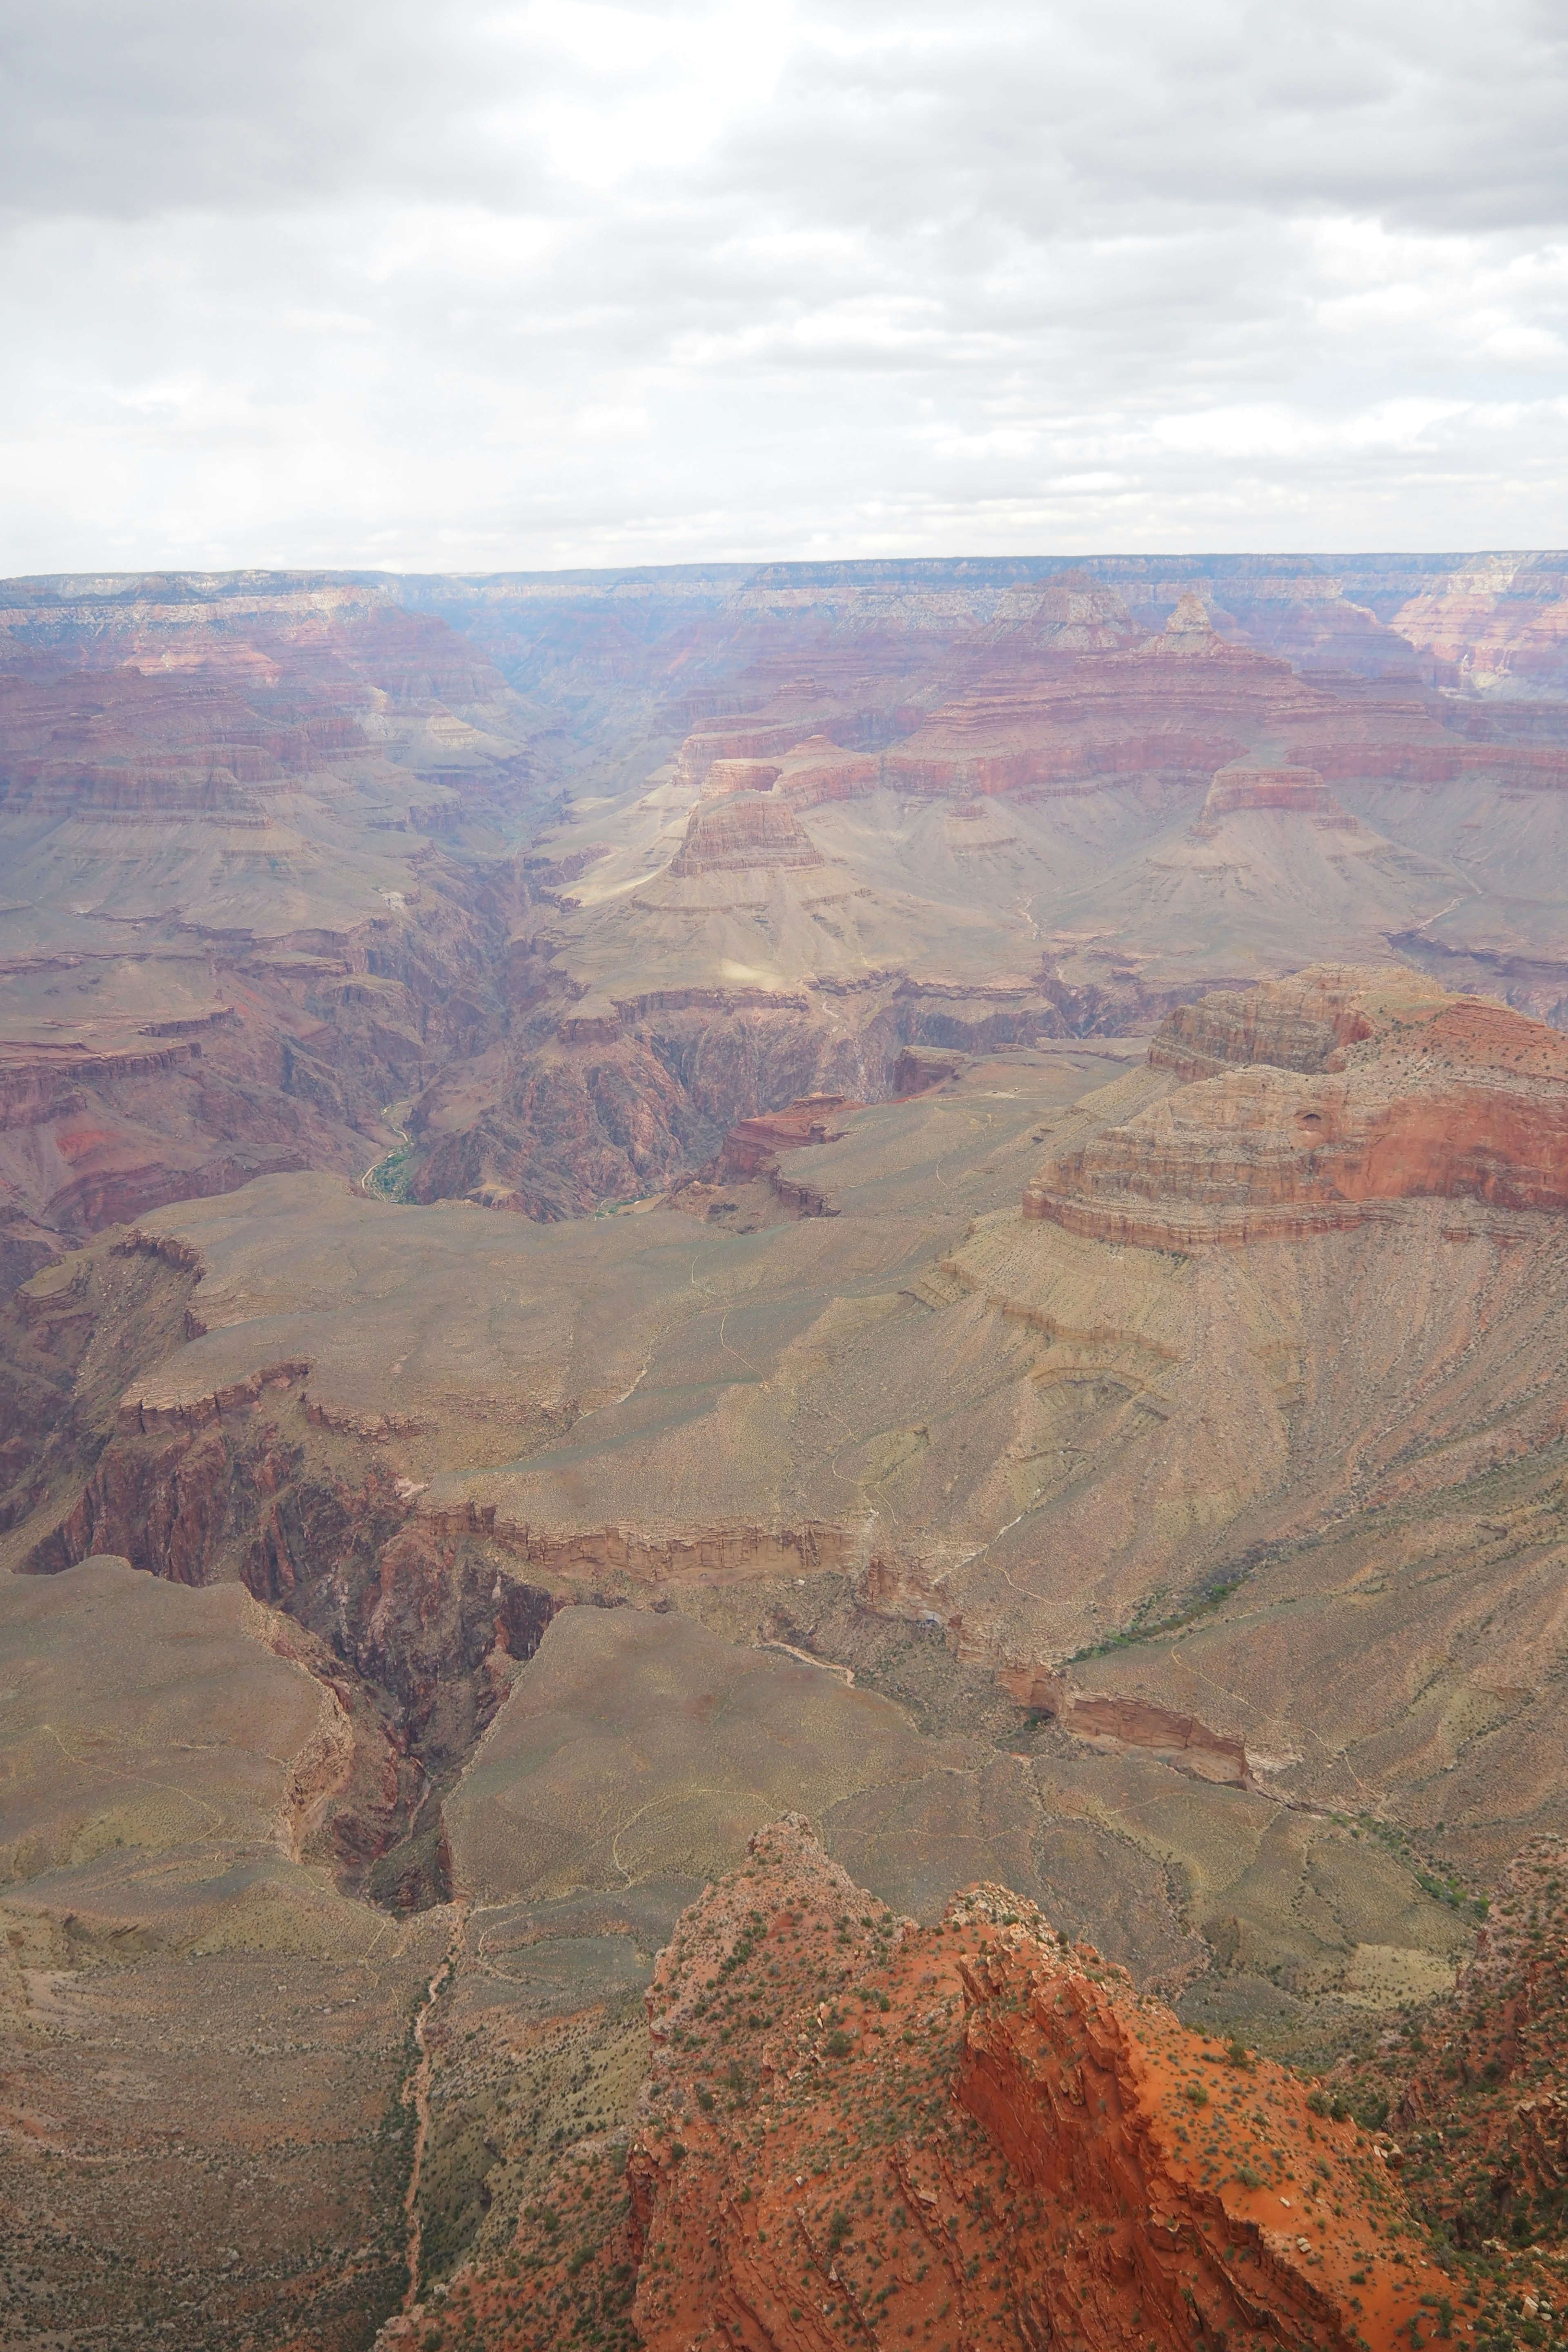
707, 1553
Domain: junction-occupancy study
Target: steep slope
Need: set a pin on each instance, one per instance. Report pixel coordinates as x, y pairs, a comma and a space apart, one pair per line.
974, 2134
1475, 2085
204, 2044
1499, 624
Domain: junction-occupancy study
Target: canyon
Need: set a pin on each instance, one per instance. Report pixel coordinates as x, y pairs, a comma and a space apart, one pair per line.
856, 1260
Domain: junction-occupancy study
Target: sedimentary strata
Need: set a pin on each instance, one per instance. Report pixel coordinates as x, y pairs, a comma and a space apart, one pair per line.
1408, 1095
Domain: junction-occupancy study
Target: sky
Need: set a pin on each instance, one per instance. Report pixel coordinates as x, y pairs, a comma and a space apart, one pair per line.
492, 287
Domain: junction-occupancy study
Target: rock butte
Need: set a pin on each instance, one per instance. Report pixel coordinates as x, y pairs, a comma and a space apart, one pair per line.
1331, 1094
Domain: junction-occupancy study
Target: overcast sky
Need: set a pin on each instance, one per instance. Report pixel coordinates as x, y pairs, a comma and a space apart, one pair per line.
462, 285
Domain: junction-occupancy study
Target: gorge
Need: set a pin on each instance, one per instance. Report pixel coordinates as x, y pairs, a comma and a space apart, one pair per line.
752, 1308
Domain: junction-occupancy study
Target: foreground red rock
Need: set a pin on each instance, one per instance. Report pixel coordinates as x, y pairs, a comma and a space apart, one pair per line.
971, 2135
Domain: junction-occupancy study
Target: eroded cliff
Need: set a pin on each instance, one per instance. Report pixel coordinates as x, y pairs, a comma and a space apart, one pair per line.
972, 2133
1334, 1093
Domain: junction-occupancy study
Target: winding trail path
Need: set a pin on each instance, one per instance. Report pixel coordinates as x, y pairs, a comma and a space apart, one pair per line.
418, 2089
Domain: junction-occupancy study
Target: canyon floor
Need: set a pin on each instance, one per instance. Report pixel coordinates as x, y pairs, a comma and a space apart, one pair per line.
636, 1207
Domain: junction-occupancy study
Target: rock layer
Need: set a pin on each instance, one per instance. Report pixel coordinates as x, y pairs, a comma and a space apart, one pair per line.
741, 831
1406, 1093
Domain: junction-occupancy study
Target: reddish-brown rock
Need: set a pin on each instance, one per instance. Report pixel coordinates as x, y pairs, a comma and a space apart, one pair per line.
1300, 790
1311, 1123
743, 828
971, 2135
753, 1147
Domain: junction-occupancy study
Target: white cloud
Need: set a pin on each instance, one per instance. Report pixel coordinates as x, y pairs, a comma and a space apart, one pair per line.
319, 281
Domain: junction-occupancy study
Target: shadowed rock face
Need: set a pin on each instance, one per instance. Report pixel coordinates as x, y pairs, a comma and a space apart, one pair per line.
974, 2132
1434, 1098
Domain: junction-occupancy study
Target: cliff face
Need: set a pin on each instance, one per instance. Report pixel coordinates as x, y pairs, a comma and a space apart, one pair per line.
1297, 1023
229, 938
1301, 791
1389, 1092
967, 2135
1498, 625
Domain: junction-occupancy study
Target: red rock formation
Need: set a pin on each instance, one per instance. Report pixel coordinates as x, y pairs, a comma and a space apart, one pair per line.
1297, 1024
1446, 1098
743, 828
753, 1147
1498, 623
859, 2130
1116, 1723
1300, 790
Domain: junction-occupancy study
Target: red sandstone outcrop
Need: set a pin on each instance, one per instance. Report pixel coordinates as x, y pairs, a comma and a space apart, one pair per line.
1116, 1723
857, 2129
753, 1147
1439, 1097
1301, 791
1299, 1024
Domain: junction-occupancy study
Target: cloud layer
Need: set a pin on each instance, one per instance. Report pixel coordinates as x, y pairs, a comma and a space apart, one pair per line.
490, 285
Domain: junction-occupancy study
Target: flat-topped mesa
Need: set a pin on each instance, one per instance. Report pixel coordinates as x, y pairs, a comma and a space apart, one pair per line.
727, 776
1311, 1099
1301, 792
744, 829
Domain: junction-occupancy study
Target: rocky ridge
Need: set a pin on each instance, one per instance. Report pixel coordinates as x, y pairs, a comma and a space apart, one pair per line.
972, 2133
